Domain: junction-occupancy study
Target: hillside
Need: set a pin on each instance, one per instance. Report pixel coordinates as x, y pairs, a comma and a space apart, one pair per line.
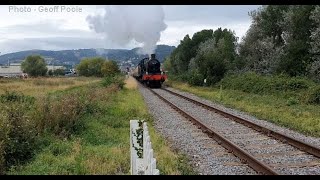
72, 57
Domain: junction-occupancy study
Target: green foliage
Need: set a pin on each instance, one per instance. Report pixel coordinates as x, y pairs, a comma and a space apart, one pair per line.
17, 133
98, 67
314, 96
254, 83
292, 101
195, 78
50, 72
208, 55
113, 79
34, 65
295, 61
58, 72
110, 68
282, 39
91, 67
58, 113
13, 96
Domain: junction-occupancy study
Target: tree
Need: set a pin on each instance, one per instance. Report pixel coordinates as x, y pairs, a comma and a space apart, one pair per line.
314, 67
110, 67
91, 67
262, 48
50, 72
214, 57
58, 72
297, 26
34, 65
98, 67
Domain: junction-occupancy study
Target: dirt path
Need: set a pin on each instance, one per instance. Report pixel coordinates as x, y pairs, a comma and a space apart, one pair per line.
131, 83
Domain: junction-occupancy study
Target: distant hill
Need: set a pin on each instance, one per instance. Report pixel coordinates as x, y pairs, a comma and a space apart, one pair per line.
72, 57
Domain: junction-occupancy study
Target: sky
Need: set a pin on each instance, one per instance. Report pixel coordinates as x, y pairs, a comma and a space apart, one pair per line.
31, 27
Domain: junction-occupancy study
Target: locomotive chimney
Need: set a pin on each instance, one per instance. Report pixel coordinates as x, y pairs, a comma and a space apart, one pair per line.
153, 56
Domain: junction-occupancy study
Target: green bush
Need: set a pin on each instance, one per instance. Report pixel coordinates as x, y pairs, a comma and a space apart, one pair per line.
17, 133
16, 97
314, 95
58, 113
195, 79
296, 84
253, 83
292, 101
115, 79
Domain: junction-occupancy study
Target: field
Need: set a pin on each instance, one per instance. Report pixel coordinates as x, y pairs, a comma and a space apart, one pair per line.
42, 86
77, 126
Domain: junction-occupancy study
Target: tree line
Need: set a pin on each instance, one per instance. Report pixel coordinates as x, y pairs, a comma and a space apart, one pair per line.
35, 65
282, 39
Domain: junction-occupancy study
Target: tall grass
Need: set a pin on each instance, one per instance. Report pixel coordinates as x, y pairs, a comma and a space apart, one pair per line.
25, 119
17, 133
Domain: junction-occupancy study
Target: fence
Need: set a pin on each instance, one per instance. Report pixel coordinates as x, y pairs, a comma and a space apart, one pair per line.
142, 160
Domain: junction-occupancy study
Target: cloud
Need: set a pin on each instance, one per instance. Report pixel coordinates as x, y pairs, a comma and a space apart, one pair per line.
53, 43
209, 14
20, 31
41, 29
178, 29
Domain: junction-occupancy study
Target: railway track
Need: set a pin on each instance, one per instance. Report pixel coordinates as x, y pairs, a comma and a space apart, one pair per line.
264, 150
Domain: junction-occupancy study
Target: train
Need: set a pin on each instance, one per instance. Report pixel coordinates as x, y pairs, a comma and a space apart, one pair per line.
149, 72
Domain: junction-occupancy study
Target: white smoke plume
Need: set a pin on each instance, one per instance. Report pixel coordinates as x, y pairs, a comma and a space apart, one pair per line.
123, 24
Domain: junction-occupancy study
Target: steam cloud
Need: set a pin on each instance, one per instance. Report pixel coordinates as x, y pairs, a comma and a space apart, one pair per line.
122, 24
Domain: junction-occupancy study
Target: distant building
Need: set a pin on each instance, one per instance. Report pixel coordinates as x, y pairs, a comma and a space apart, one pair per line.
14, 69
51, 67
10, 71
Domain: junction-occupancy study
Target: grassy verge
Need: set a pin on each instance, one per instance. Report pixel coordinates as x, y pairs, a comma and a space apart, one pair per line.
100, 144
278, 109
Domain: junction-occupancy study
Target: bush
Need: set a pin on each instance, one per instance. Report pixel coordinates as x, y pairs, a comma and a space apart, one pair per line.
16, 97
17, 135
195, 79
58, 113
296, 84
314, 95
116, 79
292, 101
258, 84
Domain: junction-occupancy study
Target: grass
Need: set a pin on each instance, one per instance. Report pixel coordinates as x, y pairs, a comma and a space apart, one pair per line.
42, 86
101, 145
304, 118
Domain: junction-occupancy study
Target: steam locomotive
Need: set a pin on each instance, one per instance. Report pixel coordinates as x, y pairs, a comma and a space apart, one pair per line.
149, 72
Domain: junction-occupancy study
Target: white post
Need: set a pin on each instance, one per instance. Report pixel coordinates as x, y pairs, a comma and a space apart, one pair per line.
147, 164
133, 127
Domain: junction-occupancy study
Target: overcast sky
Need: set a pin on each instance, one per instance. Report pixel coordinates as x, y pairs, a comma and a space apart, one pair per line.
70, 30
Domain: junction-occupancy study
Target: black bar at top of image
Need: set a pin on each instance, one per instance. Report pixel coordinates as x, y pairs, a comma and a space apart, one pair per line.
156, 2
